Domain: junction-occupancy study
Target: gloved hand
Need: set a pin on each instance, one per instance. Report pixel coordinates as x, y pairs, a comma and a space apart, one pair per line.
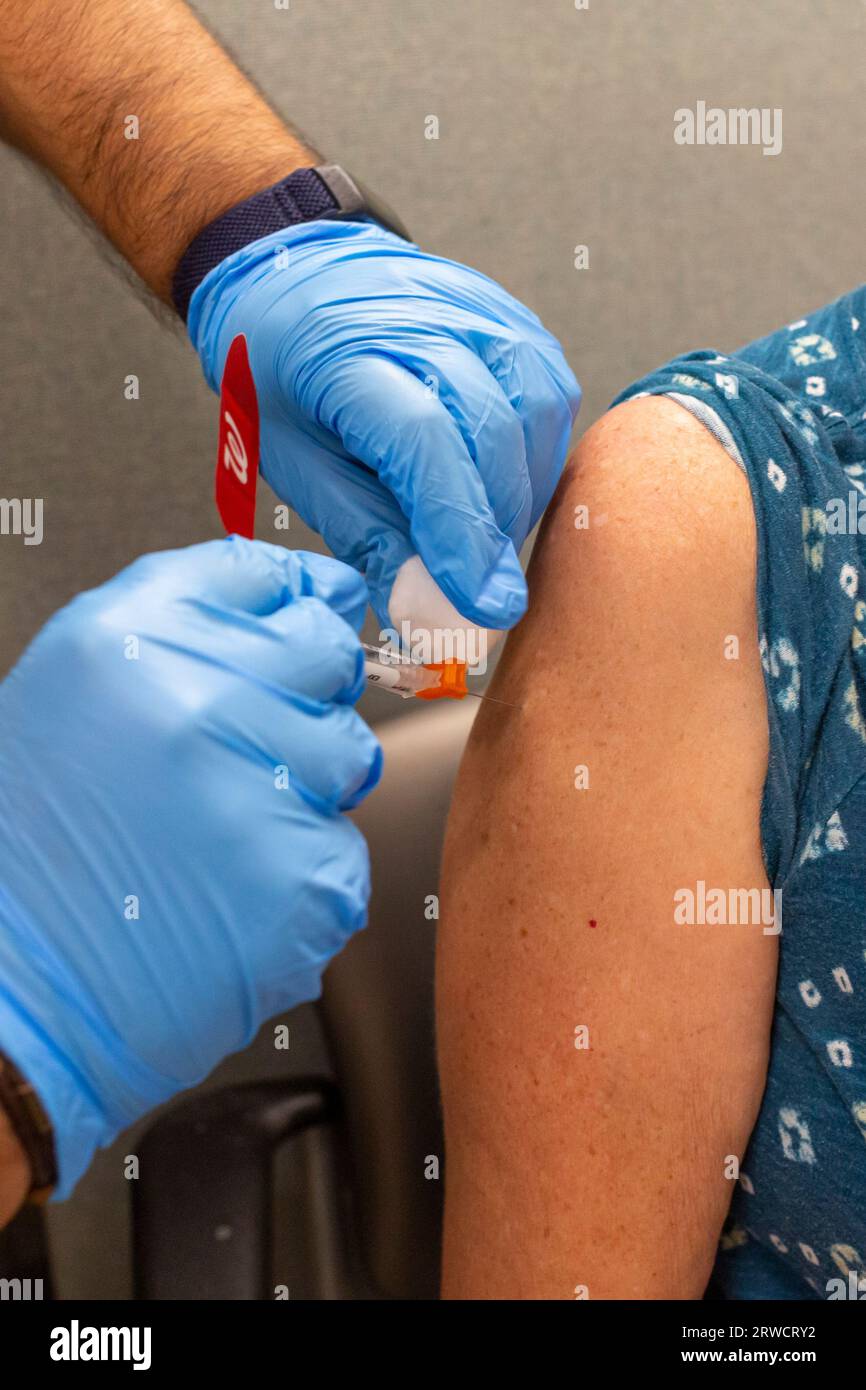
164, 887
407, 404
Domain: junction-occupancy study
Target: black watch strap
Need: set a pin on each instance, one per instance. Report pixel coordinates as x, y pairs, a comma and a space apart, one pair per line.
32, 1128
304, 196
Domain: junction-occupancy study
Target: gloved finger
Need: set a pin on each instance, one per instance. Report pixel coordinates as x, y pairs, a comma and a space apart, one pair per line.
315, 651
252, 576
388, 419
323, 753
489, 424
353, 512
305, 648
332, 904
489, 310
336, 761
545, 396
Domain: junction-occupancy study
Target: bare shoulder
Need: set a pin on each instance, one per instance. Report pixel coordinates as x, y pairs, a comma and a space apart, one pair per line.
651, 515
642, 593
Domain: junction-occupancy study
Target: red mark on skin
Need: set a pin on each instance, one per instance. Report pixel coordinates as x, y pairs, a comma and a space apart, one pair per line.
593, 922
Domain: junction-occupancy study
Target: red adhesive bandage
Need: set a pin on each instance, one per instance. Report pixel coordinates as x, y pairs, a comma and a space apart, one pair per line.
237, 468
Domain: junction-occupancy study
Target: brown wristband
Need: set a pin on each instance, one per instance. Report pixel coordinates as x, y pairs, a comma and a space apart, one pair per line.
32, 1129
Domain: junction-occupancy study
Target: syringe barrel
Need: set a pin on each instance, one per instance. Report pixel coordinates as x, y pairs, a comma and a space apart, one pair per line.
401, 677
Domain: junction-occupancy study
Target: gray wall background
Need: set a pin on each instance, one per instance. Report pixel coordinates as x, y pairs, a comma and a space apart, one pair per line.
556, 128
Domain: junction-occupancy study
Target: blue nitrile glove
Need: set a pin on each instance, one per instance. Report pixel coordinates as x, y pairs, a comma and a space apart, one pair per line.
164, 885
367, 351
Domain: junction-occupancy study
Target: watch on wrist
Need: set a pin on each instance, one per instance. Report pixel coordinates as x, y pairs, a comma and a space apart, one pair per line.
326, 191
31, 1127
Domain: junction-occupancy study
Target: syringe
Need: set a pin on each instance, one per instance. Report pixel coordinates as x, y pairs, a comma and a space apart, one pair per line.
407, 678
402, 676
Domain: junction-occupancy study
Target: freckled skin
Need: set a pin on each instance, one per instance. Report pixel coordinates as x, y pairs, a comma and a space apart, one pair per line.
604, 1165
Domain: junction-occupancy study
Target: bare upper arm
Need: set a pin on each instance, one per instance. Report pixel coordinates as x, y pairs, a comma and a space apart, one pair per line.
605, 1166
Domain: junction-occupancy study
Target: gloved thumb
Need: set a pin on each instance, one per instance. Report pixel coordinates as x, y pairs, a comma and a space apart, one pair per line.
250, 576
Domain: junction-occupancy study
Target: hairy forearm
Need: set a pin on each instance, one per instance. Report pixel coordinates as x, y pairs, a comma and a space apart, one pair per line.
14, 1171
70, 77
